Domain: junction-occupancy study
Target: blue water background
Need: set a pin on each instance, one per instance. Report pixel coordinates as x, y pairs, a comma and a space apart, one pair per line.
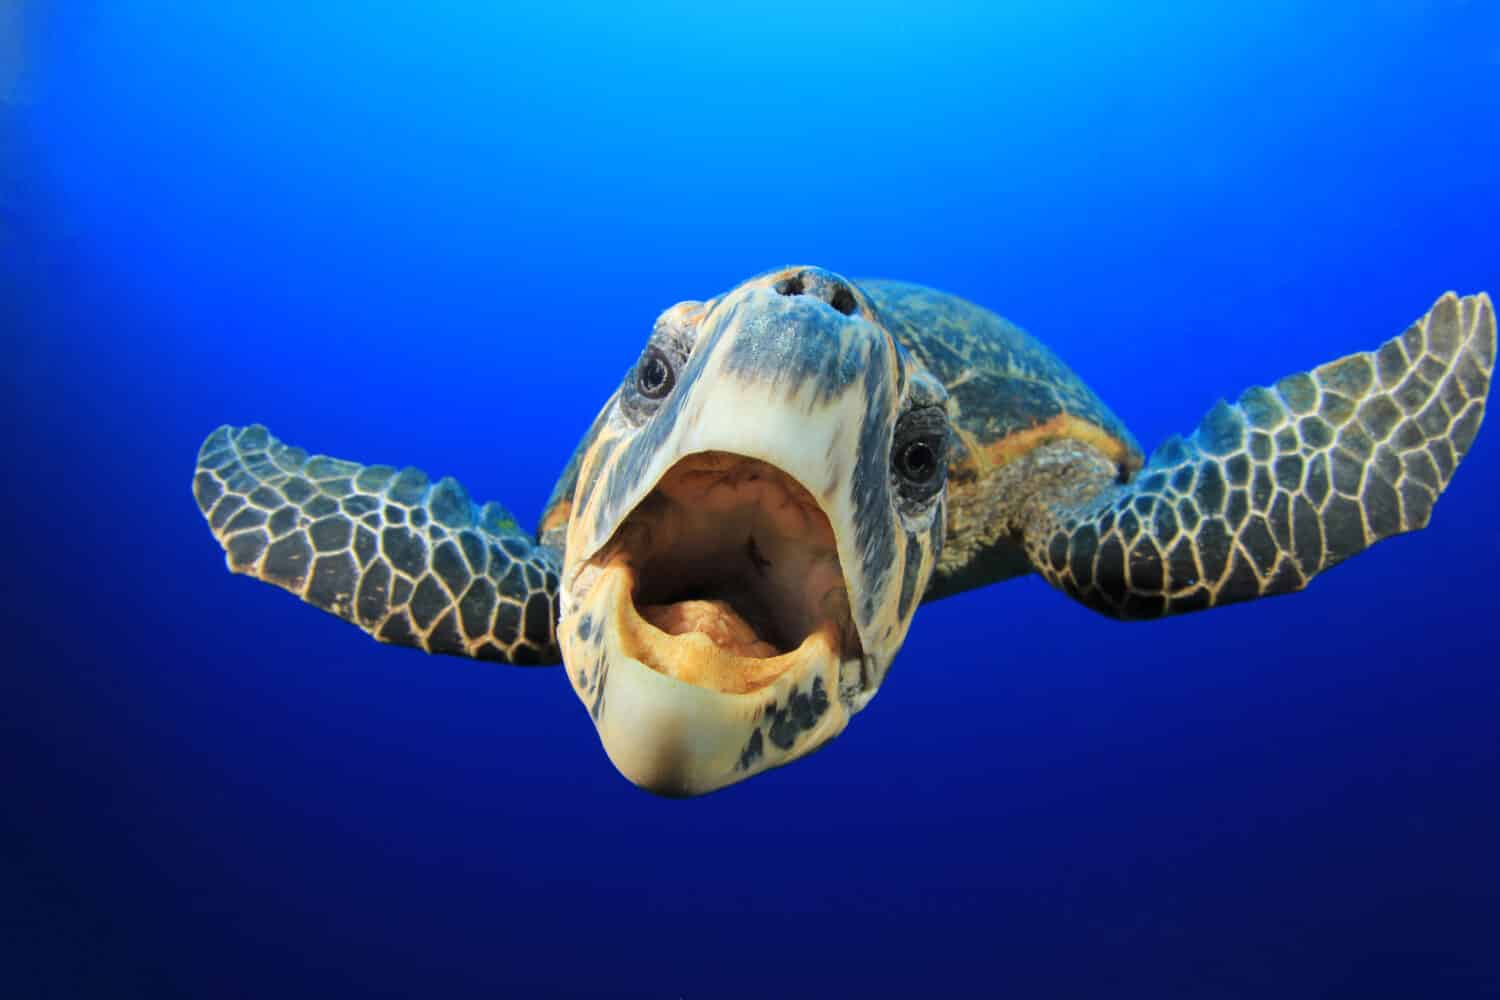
437, 234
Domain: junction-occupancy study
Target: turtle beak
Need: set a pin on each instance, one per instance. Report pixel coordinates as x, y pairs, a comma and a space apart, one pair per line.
728, 571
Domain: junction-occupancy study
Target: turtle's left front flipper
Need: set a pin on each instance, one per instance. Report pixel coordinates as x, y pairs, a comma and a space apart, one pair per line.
410, 562
1288, 481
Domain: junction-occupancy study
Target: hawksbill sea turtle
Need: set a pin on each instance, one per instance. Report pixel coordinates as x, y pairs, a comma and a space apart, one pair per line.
733, 555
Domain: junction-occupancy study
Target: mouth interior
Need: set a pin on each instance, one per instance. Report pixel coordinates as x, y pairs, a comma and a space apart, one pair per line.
735, 576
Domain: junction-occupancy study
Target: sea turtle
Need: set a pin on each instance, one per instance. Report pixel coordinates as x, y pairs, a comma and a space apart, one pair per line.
733, 555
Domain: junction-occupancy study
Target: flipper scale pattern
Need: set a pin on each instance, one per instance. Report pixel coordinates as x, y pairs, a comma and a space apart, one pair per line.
1284, 483
409, 561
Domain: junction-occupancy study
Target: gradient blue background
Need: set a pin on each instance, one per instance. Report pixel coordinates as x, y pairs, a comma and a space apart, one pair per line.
438, 234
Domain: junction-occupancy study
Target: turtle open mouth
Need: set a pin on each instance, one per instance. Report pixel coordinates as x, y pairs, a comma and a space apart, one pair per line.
733, 576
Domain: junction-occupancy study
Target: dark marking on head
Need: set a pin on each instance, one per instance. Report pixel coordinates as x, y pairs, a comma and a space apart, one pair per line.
870, 491
752, 752
800, 713
909, 574
601, 677
938, 530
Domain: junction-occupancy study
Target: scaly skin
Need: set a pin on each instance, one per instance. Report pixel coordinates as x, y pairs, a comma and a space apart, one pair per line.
1285, 483
411, 563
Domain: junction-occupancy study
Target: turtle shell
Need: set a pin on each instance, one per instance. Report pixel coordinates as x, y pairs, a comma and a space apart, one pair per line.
1008, 395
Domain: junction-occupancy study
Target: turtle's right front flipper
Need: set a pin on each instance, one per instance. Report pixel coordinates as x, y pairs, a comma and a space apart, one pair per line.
411, 562
1281, 485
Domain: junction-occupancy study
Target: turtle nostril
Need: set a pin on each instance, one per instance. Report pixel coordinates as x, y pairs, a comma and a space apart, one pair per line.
821, 285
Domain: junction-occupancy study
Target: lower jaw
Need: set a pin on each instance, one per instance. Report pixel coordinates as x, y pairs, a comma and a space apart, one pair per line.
682, 735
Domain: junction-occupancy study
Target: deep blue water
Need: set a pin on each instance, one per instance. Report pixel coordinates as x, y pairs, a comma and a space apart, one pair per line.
439, 236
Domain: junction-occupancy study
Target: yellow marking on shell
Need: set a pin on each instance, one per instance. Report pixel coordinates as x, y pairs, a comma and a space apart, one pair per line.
985, 458
964, 378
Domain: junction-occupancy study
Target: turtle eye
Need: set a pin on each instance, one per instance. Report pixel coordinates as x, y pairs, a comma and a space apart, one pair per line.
654, 376
917, 462
919, 453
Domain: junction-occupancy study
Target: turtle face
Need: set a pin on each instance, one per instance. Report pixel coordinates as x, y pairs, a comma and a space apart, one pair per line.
753, 527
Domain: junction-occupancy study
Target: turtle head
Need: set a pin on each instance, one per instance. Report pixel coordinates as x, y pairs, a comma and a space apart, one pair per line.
757, 514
